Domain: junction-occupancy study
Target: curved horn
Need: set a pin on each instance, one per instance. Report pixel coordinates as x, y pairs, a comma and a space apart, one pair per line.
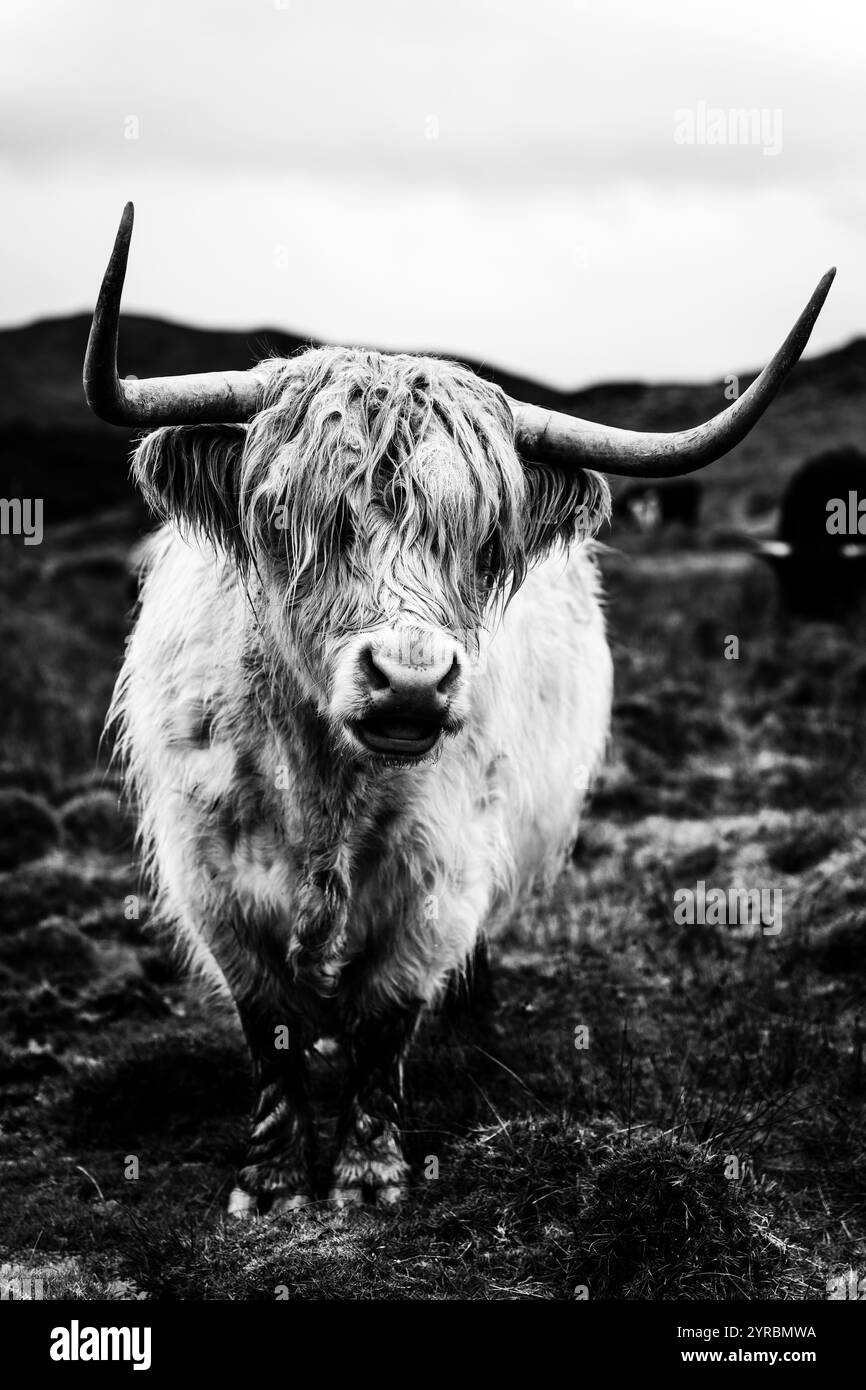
565, 441
204, 397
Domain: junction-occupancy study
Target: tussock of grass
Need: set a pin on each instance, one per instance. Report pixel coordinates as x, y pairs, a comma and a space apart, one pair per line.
804, 842
56, 887
539, 1209
94, 820
28, 827
664, 1222
133, 1099
57, 948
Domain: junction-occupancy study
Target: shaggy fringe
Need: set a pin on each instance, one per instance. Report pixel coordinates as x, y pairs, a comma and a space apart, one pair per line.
373, 483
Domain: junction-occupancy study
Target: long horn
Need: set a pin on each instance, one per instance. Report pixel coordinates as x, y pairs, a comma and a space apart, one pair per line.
203, 397
565, 441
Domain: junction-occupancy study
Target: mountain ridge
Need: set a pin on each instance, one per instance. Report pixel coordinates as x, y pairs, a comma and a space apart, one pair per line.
50, 441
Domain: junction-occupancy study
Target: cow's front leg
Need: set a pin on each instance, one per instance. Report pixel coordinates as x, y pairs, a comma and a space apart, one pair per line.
370, 1159
277, 1170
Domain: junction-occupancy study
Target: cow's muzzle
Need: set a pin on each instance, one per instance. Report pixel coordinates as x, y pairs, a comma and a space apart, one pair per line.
410, 683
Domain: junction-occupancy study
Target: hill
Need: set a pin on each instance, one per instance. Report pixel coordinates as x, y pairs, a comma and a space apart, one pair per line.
52, 447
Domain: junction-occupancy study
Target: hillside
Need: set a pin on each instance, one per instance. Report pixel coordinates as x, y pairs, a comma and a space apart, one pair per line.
51, 446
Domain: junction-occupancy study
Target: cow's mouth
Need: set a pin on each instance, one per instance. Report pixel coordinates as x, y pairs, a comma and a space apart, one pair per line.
398, 736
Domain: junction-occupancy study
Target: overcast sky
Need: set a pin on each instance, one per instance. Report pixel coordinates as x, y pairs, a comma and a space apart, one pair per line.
525, 183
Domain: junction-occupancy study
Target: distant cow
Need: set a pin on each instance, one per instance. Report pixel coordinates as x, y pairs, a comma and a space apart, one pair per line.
820, 554
365, 693
650, 507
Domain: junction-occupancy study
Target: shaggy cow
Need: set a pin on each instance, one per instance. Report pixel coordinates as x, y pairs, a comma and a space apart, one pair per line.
820, 555
367, 687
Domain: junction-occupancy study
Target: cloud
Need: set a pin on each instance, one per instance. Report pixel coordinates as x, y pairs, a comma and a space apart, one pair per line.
494, 93
565, 286
501, 180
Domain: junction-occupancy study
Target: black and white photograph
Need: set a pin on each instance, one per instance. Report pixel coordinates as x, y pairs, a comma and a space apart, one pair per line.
432, 665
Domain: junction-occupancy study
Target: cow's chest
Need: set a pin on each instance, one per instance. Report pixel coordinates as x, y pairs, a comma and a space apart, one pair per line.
374, 852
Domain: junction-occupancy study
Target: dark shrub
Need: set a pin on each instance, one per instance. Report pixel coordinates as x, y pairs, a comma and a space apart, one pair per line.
28, 827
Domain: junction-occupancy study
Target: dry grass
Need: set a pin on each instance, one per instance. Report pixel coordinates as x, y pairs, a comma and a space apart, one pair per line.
607, 1167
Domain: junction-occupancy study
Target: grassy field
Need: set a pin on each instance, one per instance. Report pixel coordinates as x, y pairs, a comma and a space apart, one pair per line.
707, 1142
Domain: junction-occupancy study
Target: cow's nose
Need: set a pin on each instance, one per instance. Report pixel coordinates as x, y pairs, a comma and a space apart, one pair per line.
413, 685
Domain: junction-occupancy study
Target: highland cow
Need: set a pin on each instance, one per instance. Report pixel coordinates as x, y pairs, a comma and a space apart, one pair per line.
368, 686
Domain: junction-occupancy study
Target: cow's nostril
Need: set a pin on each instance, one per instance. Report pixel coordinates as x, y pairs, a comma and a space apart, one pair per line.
374, 674
415, 682
449, 678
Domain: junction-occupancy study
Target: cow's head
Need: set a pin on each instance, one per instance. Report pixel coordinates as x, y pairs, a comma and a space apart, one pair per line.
381, 516
383, 508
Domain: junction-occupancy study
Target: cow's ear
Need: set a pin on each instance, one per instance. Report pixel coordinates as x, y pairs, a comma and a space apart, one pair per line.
562, 507
191, 474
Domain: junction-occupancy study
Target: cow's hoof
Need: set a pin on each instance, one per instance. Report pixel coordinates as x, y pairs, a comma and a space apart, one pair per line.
355, 1195
377, 1172
343, 1198
283, 1202
242, 1205
392, 1194
269, 1192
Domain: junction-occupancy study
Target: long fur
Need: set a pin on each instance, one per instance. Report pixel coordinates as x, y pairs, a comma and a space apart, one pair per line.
372, 493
